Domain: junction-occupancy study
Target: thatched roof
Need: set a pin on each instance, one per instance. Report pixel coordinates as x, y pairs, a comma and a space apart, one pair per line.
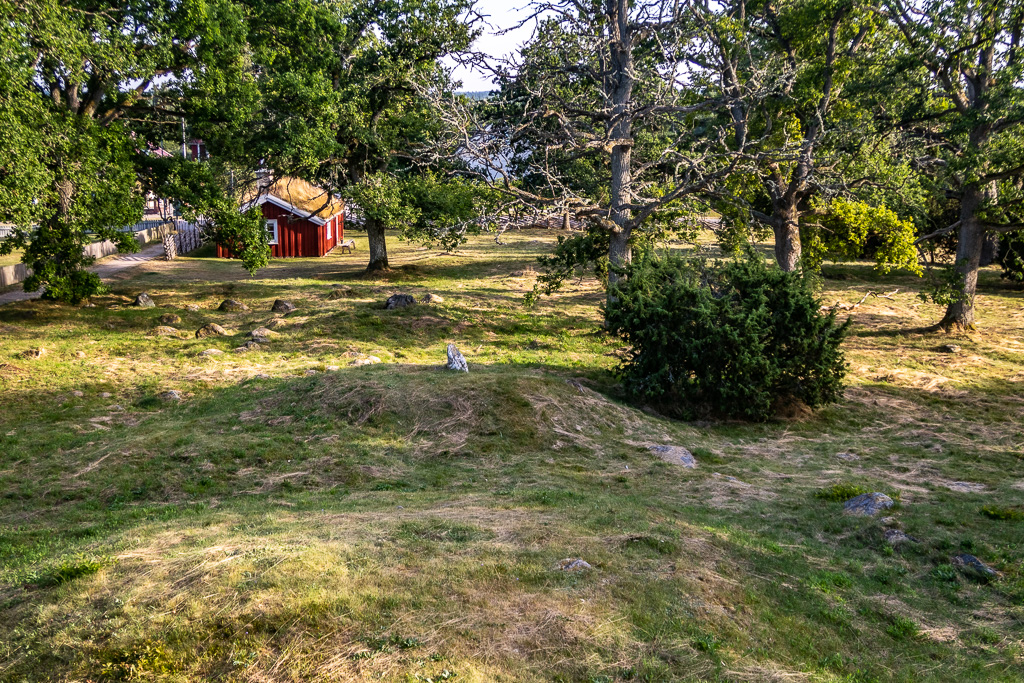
295, 194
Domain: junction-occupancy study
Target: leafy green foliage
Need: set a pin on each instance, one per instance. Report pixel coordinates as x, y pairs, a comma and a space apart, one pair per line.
1012, 514
571, 256
853, 227
732, 339
1011, 256
840, 493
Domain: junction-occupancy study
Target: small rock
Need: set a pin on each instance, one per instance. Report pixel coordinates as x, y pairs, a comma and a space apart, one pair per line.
211, 330
309, 372
973, 567
282, 306
895, 537
731, 480
247, 347
78, 394
950, 348
456, 361
868, 504
432, 299
368, 360
889, 521
143, 300
848, 456
333, 368
211, 352
275, 323
261, 376
676, 455
399, 301
165, 331
339, 293
573, 564
192, 308
261, 335
34, 354
170, 319
79, 354
105, 394
232, 306
171, 395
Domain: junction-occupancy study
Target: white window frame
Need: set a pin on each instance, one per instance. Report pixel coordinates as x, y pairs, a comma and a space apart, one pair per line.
272, 222
330, 229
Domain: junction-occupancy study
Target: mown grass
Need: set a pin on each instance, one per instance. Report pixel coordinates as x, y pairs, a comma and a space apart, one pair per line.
400, 522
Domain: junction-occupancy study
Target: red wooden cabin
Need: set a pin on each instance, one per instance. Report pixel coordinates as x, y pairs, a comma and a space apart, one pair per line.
302, 219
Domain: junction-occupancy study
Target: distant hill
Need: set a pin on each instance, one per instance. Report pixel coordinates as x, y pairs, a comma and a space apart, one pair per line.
476, 94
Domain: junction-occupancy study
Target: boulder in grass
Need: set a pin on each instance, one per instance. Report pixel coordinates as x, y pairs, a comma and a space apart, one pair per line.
399, 301
432, 299
143, 300
261, 335
456, 361
34, 354
868, 504
974, 568
366, 360
192, 308
208, 353
211, 330
677, 455
573, 564
282, 306
171, 395
247, 347
170, 319
232, 306
165, 331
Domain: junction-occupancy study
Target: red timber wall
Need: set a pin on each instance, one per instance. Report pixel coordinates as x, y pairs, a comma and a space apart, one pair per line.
298, 236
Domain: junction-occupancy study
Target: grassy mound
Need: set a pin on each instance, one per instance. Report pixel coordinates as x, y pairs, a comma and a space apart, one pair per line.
399, 522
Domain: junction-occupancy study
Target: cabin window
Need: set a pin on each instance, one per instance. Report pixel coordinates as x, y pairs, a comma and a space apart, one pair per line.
330, 225
272, 231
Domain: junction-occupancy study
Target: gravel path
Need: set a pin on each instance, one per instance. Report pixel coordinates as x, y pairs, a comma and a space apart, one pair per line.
105, 269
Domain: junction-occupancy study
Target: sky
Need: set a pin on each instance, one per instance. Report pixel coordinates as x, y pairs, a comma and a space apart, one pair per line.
501, 14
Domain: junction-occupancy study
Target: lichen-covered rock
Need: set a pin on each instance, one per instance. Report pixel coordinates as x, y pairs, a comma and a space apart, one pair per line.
282, 306
143, 300
170, 319
895, 537
211, 352
192, 308
247, 347
34, 354
432, 299
261, 335
974, 568
211, 330
573, 564
165, 331
366, 360
171, 395
275, 323
456, 361
399, 301
677, 455
868, 504
951, 348
232, 306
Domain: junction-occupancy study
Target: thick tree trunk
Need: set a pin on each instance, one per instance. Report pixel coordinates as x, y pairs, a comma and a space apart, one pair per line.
378, 246
620, 253
787, 236
960, 313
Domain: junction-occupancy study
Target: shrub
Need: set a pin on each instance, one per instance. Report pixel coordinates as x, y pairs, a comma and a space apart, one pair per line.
734, 339
840, 493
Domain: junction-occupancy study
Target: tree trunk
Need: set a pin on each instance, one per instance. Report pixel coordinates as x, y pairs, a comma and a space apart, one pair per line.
620, 253
378, 246
960, 313
989, 250
787, 236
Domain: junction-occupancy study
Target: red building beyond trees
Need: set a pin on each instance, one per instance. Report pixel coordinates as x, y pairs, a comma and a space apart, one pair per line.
302, 219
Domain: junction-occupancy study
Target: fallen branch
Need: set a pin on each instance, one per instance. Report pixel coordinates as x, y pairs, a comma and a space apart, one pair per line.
839, 306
